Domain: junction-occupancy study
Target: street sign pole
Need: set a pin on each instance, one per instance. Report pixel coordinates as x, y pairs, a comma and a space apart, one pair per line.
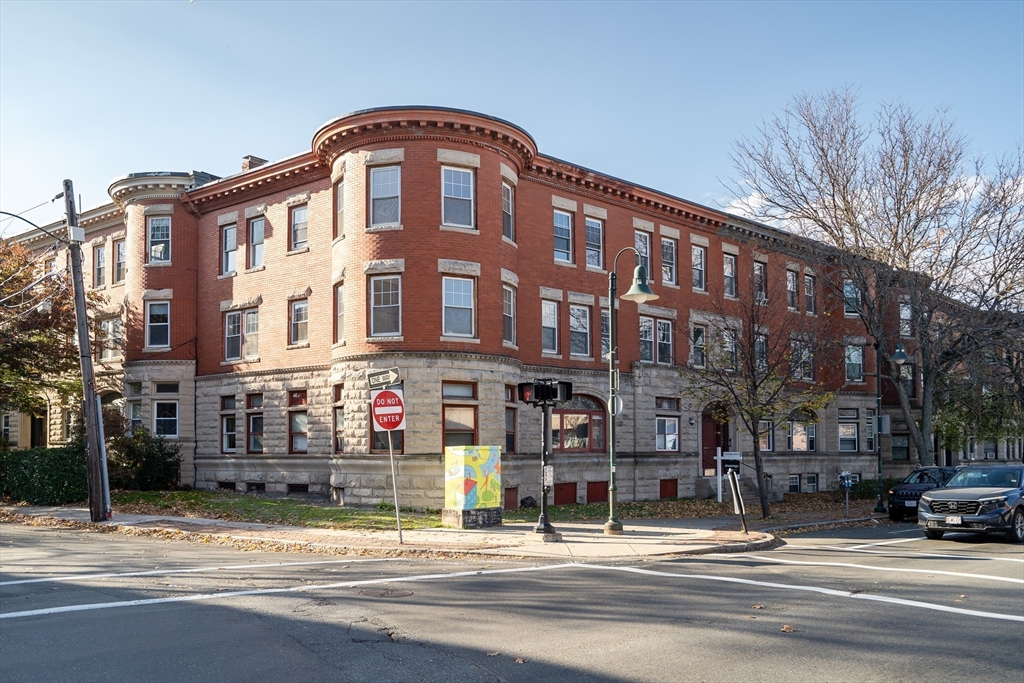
387, 411
394, 486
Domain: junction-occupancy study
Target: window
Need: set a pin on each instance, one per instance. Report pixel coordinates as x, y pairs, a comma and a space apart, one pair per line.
766, 436
299, 227
549, 326
849, 437
667, 434
99, 266
729, 358
339, 313
906, 319
49, 266
579, 330
165, 418
508, 314
228, 403
760, 281
642, 242
792, 294
668, 261
563, 237
647, 340
339, 418
794, 483
459, 420
662, 403
801, 361
298, 422
111, 339
907, 379
508, 211
166, 388
729, 274
229, 247
457, 197
810, 300
134, 411
595, 242
386, 305
385, 195
256, 242
158, 324
698, 346
761, 351
578, 425
606, 339
800, 436
697, 259
510, 430
254, 401
459, 318
5, 428
812, 483
665, 342
120, 261
241, 334
662, 351
255, 432
869, 431
339, 208
854, 363
68, 425
299, 322
851, 297
158, 239
228, 432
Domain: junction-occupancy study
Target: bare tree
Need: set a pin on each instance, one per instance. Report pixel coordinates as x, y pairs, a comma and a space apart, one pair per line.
921, 229
758, 361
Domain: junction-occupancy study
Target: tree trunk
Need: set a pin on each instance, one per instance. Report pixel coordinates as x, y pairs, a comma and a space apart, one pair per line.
762, 489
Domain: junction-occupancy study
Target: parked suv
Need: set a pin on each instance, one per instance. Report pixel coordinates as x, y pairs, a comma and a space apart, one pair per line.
979, 499
903, 496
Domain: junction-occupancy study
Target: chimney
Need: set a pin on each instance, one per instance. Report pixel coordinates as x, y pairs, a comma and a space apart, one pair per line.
250, 162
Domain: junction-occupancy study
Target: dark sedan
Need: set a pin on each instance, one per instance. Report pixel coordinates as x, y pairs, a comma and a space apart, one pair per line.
903, 496
979, 499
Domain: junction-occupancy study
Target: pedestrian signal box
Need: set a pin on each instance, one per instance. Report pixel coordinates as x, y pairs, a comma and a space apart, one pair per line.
538, 392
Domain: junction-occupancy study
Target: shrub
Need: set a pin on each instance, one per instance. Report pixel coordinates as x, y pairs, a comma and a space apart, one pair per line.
142, 462
868, 488
45, 476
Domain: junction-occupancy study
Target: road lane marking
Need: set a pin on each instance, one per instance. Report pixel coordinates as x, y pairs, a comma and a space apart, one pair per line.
868, 566
161, 572
912, 554
513, 570
898, 540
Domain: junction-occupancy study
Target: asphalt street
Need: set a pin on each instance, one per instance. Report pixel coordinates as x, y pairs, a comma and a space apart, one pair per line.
855, 604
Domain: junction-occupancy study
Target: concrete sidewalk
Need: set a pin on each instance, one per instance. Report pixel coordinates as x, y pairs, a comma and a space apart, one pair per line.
580, 540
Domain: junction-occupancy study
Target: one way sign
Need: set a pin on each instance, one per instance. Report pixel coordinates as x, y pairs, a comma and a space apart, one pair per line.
382, 378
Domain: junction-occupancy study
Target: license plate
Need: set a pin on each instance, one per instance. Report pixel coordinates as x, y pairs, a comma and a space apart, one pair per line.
910, 503
954, 519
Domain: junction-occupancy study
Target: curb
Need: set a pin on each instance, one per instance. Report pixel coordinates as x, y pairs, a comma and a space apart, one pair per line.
838, 522
748, 547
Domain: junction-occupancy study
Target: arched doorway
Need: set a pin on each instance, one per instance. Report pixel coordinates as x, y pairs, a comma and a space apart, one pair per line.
713, 435
578, 426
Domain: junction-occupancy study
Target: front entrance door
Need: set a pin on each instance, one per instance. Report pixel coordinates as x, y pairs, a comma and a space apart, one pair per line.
713, 437
38, 432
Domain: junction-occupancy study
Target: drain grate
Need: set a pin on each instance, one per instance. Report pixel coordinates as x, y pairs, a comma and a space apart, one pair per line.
385, 593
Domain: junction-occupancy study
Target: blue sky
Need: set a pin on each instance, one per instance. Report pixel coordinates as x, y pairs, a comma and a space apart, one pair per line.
654, 93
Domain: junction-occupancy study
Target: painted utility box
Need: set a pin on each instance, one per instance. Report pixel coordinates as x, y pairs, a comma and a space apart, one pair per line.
472, 487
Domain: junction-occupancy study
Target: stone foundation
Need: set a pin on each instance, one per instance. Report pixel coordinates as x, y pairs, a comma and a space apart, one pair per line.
471, 519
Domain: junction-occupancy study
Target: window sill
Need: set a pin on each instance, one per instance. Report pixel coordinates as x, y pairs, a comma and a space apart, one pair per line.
100, 288
565, 264
460, 228
338, 345
157, 264
294, 252
586, 359
110, 361
731, 297
241, 361
669, 285
377, 340
255, 269
155, 349
384, 228
700, 291
509, 345
301, 345
461, 340
812, 314
553, 356
117, 284
595, 269
227, 275
337, 239
508, 241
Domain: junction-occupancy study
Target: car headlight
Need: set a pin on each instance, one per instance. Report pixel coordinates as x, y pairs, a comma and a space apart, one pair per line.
993, 504
890, 492
925, 503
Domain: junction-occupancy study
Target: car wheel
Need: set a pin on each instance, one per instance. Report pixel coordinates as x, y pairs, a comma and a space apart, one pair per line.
1016, 532
895, 515
933, 534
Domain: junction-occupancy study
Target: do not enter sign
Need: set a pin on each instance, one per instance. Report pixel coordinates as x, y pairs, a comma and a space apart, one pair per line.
387, 407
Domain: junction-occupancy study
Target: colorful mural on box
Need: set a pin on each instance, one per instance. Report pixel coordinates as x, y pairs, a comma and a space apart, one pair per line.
472, 477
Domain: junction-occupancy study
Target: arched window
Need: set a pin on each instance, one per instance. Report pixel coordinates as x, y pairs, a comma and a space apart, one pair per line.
578, 426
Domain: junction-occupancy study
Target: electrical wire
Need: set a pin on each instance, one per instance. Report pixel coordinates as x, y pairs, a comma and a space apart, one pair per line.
30, 264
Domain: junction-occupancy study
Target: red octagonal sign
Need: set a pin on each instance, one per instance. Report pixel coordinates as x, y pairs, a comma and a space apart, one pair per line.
387, 407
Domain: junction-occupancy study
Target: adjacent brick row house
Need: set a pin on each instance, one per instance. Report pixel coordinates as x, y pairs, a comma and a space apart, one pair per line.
242, 314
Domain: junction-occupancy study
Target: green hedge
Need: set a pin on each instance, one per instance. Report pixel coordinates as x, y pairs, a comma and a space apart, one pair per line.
867, 489
44, 476
142, 462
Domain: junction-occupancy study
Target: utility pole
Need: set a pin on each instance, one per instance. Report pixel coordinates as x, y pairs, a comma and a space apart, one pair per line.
98, 511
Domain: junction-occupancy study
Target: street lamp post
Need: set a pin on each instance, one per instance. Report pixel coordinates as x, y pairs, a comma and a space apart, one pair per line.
899, 357
640, 292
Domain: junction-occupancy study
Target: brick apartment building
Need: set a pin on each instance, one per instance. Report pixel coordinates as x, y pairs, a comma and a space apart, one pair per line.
242, 314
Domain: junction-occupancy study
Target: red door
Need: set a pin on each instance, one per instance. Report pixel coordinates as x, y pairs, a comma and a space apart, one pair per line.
713, 437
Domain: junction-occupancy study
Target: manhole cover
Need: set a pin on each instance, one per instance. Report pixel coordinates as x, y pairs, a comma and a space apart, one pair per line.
385, 593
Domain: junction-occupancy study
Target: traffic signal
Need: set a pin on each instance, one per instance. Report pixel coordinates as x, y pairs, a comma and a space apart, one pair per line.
544, 392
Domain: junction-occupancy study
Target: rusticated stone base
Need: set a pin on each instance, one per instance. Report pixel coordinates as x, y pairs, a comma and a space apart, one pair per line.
471, 519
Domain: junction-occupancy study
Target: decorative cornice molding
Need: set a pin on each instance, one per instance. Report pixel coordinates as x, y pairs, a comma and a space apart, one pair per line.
263, 180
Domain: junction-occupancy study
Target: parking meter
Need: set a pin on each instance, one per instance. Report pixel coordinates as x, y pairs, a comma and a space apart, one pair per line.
846, 481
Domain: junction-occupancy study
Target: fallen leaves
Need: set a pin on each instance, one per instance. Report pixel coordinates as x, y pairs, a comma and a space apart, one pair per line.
960, 599
520, 660
758, 606
786, 628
